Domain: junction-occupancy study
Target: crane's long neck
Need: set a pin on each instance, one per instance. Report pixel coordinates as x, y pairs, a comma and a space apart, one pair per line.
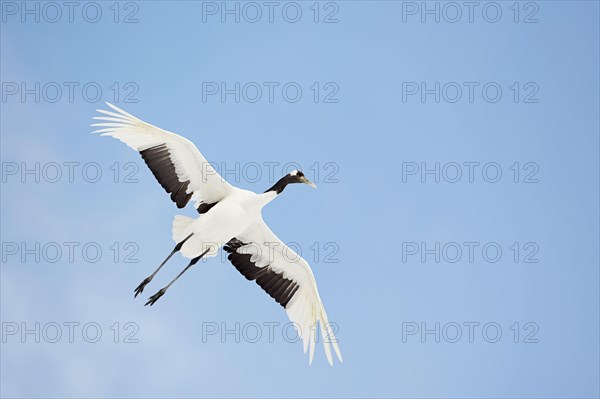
280, 185
274, 191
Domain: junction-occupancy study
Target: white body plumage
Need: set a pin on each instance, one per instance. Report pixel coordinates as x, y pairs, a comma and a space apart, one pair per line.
229, 218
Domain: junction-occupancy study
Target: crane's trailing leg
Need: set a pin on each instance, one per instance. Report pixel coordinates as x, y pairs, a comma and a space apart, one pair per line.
160, 293
144, 283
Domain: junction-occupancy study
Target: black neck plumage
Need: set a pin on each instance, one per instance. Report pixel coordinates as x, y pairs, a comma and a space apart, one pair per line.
281, 183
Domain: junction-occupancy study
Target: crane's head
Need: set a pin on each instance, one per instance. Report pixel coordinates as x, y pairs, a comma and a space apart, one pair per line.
294, 176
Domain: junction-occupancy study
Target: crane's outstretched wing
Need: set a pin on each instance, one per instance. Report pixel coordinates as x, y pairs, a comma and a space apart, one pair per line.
259, 255
174, 160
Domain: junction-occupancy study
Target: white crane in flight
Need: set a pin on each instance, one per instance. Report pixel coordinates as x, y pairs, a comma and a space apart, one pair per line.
230, 219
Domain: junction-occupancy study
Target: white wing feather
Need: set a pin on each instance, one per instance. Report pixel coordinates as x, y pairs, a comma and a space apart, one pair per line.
190, 165
305, 309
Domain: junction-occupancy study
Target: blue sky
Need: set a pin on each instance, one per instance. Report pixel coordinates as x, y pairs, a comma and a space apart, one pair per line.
404, 122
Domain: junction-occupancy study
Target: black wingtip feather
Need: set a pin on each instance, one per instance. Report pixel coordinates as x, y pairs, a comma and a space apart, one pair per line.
159, 161
278, 287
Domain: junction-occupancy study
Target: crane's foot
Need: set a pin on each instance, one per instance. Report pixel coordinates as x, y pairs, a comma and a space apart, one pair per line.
155, 297
141, 287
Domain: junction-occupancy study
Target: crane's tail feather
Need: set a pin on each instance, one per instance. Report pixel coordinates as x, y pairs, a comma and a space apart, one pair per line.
181, 227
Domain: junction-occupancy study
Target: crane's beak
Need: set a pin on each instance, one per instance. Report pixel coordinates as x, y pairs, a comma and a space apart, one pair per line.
305, 180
